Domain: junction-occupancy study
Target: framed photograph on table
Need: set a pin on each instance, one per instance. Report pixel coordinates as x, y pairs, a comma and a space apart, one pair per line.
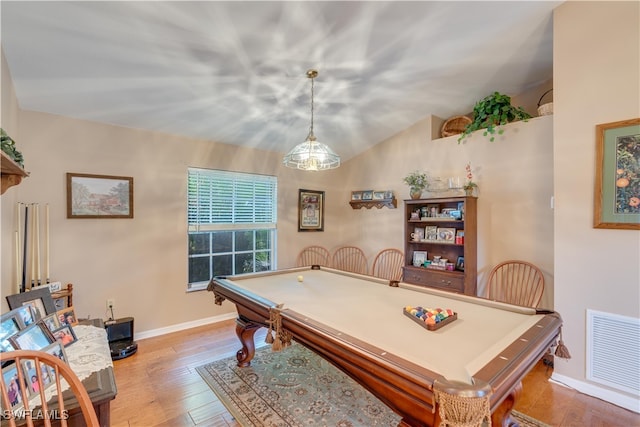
99, 196
460, 263
617, 189
34, 337
10, 324
446, 235
40, 299
12, 383
356, 195
310, 210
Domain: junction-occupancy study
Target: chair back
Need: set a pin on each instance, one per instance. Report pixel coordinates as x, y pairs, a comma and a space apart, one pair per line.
388, 264
24, 389
516, 282
349, 258
313, 255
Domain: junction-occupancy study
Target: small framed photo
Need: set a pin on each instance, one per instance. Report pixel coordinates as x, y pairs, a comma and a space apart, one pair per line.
12, 383
51, 321
67, 317
56, 349
10, 324
418, 234
27, 315
33, 337
356, 195
419, 257
431, 232
433, 211
446, 235
40, 299
460, 263
388, 194
378, 195
99, 196
367, 195
31, 377
65, 335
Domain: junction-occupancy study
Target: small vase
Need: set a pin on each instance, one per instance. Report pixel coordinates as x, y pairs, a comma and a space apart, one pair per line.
415, 193
468, 191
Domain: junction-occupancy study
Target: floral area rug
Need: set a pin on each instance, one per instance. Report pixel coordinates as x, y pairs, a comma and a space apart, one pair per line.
295, 387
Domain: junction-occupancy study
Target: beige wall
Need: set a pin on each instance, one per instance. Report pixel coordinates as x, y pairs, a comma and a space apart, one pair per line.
596, 73
141, 262
515, 177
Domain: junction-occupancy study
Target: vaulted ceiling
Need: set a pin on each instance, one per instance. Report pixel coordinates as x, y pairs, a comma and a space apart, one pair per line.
235, 72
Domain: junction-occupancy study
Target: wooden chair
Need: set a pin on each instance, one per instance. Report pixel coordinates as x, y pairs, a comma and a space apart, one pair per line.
388, 264
349, 258
516, 282
48, 369
313, 255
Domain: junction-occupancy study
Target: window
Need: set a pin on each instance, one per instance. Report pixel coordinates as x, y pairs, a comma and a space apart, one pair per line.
232, 224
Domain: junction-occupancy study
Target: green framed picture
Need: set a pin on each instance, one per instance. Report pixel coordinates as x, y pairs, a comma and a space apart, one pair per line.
617, 189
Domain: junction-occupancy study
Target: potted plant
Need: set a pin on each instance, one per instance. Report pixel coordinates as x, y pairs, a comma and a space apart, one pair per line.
469, 186
417, 181
491, 112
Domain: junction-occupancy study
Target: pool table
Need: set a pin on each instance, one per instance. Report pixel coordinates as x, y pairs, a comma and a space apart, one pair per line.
357, 322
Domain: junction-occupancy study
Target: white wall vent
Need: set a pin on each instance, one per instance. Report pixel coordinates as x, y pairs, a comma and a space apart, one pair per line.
613, 351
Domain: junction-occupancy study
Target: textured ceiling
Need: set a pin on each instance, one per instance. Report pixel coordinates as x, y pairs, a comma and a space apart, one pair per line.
234, 72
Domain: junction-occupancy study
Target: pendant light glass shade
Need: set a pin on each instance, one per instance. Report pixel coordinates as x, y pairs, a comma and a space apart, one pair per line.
311, 155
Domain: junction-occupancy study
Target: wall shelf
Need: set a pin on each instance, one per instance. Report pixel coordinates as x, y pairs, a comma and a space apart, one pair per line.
359, 204
12, 173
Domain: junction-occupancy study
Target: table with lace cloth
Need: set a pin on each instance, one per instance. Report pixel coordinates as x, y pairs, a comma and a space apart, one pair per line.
90, 359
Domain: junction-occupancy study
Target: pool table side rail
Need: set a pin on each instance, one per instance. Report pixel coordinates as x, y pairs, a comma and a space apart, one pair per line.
507, 369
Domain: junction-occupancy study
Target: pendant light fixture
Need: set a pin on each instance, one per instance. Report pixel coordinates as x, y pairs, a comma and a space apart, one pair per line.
311, 155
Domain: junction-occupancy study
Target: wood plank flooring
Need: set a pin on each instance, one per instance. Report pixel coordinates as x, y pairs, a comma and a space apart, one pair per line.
159, 386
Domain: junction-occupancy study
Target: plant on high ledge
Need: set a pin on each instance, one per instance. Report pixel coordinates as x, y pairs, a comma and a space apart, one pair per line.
469, 185
491, 112
417, 181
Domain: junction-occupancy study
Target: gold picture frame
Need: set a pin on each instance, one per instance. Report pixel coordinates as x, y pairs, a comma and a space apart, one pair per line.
617, 180
310, 210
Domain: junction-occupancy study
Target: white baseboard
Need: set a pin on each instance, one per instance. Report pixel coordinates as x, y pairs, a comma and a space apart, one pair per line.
182, 326
619, 399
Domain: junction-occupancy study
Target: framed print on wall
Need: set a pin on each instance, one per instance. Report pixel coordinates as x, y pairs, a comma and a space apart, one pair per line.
617, 189
310, 210
99, 196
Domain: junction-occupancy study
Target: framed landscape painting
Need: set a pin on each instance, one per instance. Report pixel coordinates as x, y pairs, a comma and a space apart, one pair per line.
99, 196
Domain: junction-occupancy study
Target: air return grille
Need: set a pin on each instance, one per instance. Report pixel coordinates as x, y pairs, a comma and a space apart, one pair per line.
613, 350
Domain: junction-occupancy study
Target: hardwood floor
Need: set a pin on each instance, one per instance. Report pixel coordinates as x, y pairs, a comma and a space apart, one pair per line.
159, 386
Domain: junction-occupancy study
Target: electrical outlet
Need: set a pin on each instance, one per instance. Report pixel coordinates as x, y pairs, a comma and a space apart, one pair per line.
110, 304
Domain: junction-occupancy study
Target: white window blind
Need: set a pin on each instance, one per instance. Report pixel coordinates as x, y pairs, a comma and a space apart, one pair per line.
225, 198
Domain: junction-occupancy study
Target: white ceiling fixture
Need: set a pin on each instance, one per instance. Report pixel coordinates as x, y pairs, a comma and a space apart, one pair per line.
311, 155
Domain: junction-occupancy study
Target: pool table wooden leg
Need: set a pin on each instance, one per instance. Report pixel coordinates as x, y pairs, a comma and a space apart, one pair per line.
502, 415
245, 330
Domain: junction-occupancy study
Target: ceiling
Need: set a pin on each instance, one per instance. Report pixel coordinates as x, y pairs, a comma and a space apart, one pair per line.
235, 72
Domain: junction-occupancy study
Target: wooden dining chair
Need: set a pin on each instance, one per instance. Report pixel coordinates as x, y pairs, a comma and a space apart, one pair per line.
516, 282
20, 395
314, 255
349, 258
388, 264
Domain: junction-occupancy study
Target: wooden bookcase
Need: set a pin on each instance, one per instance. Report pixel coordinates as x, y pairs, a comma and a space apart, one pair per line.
456, 280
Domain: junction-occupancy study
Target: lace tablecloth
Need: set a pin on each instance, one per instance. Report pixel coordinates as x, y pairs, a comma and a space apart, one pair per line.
90, 353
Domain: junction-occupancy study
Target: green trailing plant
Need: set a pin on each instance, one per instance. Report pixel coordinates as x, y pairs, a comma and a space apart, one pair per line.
491, 112
8, 145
